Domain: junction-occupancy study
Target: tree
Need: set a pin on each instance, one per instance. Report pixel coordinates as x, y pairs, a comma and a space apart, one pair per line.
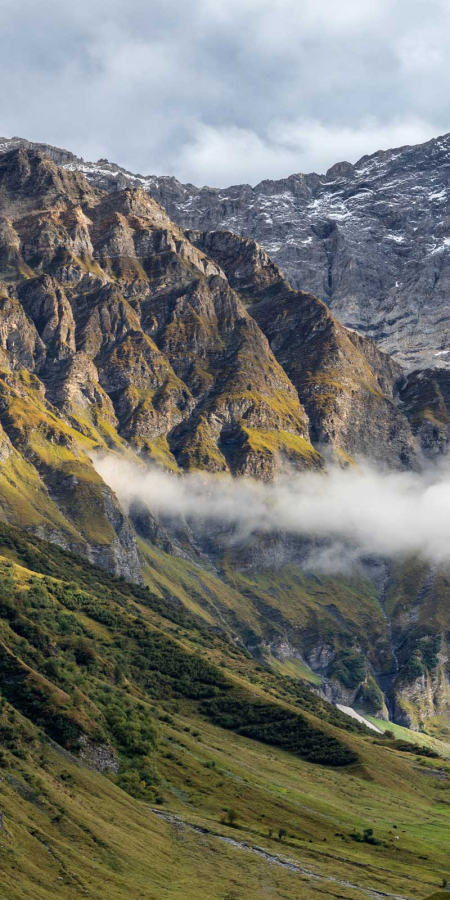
84, 653
231, 817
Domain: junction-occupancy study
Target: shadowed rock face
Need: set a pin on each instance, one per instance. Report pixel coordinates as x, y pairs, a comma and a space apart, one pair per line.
372, 240
346, 384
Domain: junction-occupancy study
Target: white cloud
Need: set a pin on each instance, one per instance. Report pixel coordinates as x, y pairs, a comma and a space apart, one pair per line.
224, 155
384, 513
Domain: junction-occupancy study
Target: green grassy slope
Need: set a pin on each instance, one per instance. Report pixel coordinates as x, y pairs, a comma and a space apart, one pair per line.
358, 630
84, 653
266, 604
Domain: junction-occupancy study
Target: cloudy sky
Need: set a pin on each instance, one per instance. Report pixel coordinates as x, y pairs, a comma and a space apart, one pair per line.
223, 91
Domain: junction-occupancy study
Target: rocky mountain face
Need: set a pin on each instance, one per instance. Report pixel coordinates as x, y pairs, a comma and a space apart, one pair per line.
191, 347
121, 331
117, 332
346, 384
372, 239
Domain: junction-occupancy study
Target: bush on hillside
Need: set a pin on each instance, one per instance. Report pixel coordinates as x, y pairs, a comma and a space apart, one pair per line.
276, 725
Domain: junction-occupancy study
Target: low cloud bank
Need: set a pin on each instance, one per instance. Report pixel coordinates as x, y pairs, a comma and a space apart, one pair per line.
383, 513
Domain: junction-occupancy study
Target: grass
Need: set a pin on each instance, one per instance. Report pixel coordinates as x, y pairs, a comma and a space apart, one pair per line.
292, 445
69, 831
294, 668
84, 833
49, 482
414, 737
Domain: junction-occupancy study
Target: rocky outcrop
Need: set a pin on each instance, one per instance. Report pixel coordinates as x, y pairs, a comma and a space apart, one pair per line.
101, 757
424, 397
426, 697
336, 693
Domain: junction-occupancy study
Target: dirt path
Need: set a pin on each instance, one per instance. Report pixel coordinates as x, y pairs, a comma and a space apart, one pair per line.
275, 860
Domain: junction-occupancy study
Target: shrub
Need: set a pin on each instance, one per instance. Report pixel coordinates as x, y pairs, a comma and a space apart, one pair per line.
276, 725
349, 668
371, 696
231, 817
408, 747
85, 654
367, 837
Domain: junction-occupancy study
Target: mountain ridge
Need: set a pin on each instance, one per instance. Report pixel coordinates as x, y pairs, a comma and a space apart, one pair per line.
372, 242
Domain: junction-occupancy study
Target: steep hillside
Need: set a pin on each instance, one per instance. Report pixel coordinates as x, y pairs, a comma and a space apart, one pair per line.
134, 760
371, 239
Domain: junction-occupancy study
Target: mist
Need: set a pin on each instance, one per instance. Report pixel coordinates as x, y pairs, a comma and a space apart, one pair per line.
388, 514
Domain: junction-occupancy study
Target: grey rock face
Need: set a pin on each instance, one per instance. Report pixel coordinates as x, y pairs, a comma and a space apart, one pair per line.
335, 692
101, 757
372, 240
423, 698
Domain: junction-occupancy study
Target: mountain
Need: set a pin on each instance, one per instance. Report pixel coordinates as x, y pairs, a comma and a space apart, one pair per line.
110, 338
372, 239
122, 333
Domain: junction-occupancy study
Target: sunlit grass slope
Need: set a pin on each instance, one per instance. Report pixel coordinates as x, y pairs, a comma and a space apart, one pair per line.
131, 670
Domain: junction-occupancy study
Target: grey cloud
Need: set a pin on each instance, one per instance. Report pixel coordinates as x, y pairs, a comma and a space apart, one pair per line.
220, 91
